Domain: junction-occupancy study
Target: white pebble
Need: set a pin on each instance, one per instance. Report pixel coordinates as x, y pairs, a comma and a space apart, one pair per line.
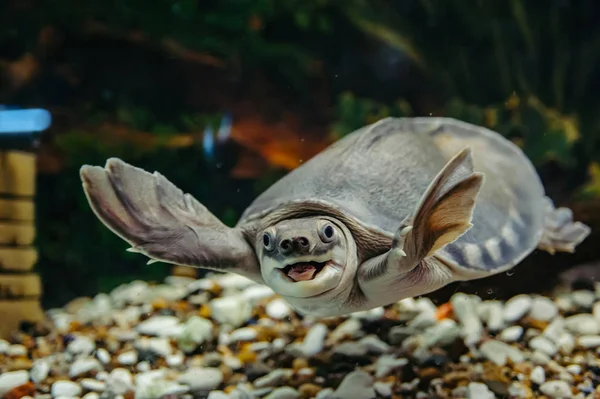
17, 350
157, 325
544, 345
314, 340
83, 366
477, 390
231, 310
595, 313
566, 343
127, 358
574, 369
243, 334
65, 388
91, 395
589, 341
92, 384
175, 360
119, 381
583, 324
465, 310
202, 378
543, 309
40, 370
583, 298
383, 388
278, 309
103, 355
4, 347
81, 345
195, 332
499, 352
12, 379
517, 307
495, 316
511, 334
556, 389
538, 375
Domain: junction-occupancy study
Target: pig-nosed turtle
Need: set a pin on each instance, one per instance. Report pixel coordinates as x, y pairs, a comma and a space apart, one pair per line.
395, 209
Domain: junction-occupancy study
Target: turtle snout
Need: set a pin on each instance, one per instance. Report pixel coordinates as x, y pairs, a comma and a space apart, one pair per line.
298, 245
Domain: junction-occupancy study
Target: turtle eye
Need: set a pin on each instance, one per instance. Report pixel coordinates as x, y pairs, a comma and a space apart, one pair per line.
268, 242
327, 232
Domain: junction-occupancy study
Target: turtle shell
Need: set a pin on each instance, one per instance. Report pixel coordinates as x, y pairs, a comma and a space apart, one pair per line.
377, 175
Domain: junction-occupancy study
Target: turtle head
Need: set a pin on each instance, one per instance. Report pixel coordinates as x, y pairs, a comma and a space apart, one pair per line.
305, 258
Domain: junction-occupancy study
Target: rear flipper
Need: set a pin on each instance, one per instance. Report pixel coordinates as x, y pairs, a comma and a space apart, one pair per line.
561, 233
158, 220
442, 216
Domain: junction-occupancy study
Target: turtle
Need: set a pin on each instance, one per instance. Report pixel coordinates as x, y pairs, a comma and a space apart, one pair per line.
398, 208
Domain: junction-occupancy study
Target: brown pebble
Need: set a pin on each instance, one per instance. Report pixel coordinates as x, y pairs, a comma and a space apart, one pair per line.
309, 390
159, 304
204, 311
228, 389
299, 363
246, 356
27, 389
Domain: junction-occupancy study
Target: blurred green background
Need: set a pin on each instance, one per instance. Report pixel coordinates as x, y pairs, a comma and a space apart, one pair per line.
142, 80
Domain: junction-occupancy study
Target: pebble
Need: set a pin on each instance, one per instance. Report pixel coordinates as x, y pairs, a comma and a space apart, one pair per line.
543, 345
499, 352
466, 313
511, 334
314, 341
119, 381
157, 325
40, 370
274, 378
202, 378
589, 341
583, 324
91, 384
357, 385
12, 379
583, 299
543, 309
127, 358
537, 375
383, 388
284, 393
278, 309
232, 310
81, 345
65, 388
103, 355
556, 389
516, 308
477, 390
83, 366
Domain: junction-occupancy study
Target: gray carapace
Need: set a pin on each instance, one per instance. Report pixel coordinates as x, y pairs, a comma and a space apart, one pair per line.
398, 208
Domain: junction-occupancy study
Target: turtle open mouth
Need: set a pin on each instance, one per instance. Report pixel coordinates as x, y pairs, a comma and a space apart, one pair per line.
304, 271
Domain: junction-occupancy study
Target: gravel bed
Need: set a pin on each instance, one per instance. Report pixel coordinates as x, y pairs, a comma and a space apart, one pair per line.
225, 337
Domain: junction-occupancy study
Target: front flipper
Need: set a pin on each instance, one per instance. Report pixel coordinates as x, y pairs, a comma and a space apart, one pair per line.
158, 220
443, 215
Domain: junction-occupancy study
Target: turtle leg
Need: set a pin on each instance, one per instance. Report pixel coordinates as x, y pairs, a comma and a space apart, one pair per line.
443, 215
561, 233
158, 220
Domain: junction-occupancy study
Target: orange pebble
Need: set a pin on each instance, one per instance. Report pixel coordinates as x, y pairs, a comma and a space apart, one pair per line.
204, 311
246, 356
27, 389
444, 311
159, 303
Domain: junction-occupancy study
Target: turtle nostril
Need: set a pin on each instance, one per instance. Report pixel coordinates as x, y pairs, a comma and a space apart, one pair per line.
285, 245
302, 241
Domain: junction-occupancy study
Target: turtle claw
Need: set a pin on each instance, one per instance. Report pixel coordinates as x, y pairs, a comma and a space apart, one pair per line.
132, 249
151, 261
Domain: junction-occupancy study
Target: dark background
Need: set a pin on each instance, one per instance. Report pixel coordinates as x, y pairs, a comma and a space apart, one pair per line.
142, 80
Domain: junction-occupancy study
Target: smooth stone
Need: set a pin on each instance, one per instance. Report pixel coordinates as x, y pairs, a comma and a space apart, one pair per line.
373, 344
91, 384
543, 309
119, 381
17, 350
278, 309
511, 334
157, 325
543, 344
516, 308
243, 334
202, 378
127, 358
4, 347
493, 314
196, 330
81, 345
103, 355
465, 309
583, 324
40, 370
90, 395
556, 389
583, 299
443, 333
477, 390
84, 365
175, 360
159, 346
383, 388
217, 395
499, 352
574, 369
65, 388
589, 341
386, 364
555, 329
274, 378
12, 379
232, 310
595, 313
157, 389
349, 328
283, 393
350, 349
357, 385
314, 340
538, 375
566, 343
